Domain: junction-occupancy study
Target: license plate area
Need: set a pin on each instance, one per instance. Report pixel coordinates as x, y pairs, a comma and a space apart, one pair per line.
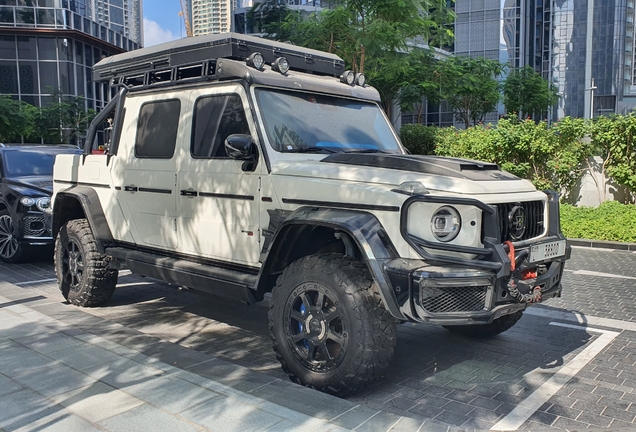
547, 251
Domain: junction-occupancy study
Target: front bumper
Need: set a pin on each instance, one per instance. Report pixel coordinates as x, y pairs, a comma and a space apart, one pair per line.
33, 229
451, 290
455, 295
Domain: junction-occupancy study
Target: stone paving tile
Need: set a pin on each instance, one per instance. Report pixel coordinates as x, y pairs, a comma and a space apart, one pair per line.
147, 419
97, 401
24, 407
171, 394
61, 421
354, 417
53, 379
84, 356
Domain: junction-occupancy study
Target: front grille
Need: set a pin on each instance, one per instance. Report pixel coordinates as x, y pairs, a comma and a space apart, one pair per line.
534, 219
454, 299
33, 226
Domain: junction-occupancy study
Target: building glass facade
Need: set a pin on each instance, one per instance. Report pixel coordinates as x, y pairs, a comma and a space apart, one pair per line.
48, 47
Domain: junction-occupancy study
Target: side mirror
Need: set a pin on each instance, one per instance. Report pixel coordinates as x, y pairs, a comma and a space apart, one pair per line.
242, 147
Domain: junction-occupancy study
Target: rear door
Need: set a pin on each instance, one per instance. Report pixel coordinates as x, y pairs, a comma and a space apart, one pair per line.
146, 167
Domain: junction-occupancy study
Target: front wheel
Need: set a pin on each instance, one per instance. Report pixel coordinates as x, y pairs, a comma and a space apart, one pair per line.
11, 251
82, 272
496, 327
328, 325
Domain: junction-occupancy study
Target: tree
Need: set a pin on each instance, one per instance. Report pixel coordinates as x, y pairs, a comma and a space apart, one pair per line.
470, 86
16, 119
64, 121
373, 36
528, 93
419, 83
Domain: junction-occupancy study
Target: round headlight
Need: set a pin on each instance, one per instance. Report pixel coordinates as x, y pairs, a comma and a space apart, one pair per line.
361, 79
44, 204
27, 201
347, 77
256, 61
281, 65
446, 223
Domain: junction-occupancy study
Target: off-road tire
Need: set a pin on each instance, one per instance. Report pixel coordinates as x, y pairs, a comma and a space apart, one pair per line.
368, 329
486, 331
96, 282
15, 251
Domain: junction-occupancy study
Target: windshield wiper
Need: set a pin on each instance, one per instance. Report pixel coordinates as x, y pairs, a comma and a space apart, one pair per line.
310, 150
365, 151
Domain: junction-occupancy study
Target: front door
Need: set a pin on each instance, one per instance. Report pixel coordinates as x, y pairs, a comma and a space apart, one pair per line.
219, 202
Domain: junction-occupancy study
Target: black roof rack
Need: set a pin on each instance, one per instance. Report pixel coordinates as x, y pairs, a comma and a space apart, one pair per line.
195, 58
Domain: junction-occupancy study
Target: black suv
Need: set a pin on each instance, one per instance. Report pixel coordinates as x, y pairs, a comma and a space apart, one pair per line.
26, 185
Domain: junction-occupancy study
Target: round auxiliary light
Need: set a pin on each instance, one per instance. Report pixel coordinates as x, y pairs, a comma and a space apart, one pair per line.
27, 201
281, 65
361, 79
347, 77
43, 204
256, 61
446, 223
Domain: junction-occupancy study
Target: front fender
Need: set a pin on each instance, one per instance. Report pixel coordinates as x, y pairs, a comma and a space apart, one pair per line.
364, 228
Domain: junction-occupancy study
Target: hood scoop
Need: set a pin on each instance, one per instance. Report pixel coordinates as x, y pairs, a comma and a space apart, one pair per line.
433, 165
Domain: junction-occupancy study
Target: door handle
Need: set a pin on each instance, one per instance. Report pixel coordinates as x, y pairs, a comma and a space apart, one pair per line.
131, 188
189, 193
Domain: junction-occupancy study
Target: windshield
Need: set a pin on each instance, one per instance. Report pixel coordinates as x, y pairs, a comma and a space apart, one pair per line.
18, 163
298, 121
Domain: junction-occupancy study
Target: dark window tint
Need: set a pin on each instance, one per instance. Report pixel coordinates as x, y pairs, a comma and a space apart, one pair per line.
215, 118
28, 163
157, 129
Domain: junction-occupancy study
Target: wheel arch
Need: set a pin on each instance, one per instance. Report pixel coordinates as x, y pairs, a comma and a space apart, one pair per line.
311, 230
80, 202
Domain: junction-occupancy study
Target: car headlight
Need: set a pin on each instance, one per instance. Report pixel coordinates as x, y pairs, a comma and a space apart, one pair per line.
446, 223
44, 204
27, 201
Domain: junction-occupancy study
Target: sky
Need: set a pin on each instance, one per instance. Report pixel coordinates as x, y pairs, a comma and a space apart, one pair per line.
162, 22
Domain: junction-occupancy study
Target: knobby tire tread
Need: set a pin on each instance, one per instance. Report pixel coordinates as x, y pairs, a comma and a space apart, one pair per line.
377, 336
99, 281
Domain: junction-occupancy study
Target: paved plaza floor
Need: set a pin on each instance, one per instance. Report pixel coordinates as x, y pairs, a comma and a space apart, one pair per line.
160, 358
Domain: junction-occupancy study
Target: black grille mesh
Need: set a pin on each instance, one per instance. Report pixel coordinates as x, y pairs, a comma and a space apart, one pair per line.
33, 226
454, 299
534, 219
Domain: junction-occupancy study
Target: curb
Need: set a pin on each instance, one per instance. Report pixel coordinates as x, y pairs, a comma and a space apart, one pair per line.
603, 244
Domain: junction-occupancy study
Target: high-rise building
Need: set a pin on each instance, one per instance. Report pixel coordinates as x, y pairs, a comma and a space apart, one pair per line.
586, 47
212, 16
122, 16
50, 46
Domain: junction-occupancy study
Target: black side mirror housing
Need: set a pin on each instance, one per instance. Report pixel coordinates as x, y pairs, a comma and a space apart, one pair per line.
242, 147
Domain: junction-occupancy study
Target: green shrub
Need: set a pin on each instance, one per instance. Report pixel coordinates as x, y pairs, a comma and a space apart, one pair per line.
610, 221
419, 139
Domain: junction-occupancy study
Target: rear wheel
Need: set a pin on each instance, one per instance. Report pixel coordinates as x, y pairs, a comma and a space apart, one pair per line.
496, 327
82, 272
11, 251
328, 325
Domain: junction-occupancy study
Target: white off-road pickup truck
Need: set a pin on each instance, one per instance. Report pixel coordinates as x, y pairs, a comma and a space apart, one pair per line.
241, 167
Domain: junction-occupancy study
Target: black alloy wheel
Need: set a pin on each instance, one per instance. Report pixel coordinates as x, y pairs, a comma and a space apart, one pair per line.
73, 265
317, 327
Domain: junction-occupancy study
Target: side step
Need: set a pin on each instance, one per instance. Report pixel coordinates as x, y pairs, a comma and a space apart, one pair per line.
216, 280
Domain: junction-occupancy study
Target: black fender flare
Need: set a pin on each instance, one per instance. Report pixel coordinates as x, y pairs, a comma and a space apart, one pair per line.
364, 228
92, 209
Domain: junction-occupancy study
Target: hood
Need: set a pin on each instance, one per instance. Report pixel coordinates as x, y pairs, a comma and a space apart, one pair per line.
451, 175
42, 184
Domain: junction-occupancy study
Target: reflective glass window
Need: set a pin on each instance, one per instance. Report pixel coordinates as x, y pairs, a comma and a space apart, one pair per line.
7, 47
46, 17
215, 118
46, 48
48, 77
64, 49
6, 15
25, 16
157, 129
67, 81
28, 71
27, 48
8, 77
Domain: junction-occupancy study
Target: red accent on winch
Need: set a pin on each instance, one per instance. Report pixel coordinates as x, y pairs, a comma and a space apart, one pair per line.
511, 254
